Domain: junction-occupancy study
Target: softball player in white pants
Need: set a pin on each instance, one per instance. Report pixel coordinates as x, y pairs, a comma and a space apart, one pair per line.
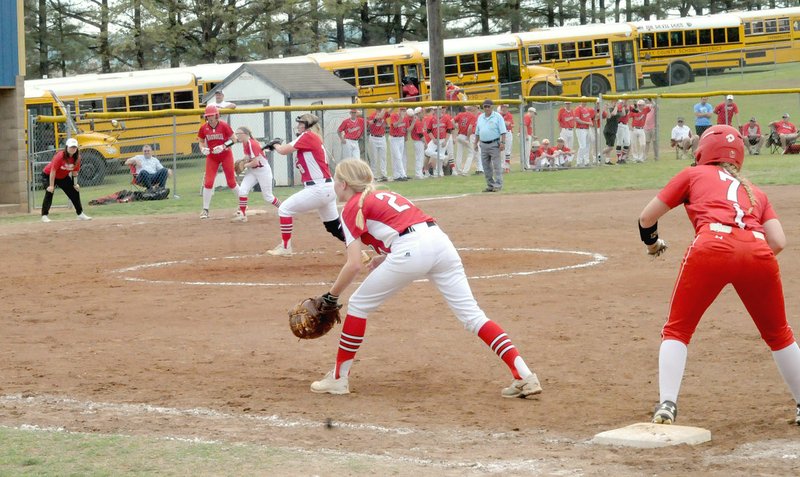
582, 157
623, 142
437, 150
413, 247
638, 142
419, 158
464, 153
377, 157
507, 151
398, 147
351, 149
566, 135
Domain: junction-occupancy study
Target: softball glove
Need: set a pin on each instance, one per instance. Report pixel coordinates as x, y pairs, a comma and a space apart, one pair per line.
314, 317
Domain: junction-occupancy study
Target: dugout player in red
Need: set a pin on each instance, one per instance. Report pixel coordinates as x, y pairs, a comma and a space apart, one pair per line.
737, 237
311, 161
62, 171
410, 246
216, 139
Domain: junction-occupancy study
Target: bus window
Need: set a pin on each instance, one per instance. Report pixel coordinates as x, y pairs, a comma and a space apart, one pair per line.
705, 37
160, 101
138, 102
601, 47
366, 76
551, 52
797, 25
450, 65
116, 103
347, 74
783, 25
690, 37
733, 35
585, 49
662, 39
771, 26
747, 31
184, 100
90, 106
534, 54
719, 35
467, 63
386, 74
485, 62
758, 27
676, 38
568, 51
648, 41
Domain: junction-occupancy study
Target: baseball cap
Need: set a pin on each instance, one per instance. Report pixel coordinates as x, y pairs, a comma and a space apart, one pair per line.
641, 101
531, 110
753, 119
72, 142
418, 110
353, 110
786, 115
730, 96
680, 120
488, 102
219, 91
545, 141
410, 111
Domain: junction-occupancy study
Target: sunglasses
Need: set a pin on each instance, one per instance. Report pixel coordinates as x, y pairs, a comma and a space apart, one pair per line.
487, 107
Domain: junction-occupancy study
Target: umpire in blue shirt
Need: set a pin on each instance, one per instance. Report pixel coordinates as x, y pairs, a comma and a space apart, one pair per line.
490, 136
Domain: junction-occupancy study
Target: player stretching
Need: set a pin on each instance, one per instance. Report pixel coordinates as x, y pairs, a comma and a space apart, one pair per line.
312, 162
411, 246
738, 236
216, 139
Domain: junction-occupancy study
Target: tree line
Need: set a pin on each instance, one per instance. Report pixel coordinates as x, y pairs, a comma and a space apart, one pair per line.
67, 37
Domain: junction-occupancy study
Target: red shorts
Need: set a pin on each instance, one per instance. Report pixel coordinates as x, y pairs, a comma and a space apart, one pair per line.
739, 257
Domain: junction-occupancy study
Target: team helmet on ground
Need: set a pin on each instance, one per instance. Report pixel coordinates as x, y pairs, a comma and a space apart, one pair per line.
718, 144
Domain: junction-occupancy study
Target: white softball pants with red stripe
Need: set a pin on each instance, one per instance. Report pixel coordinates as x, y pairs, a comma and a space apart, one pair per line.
319, 197
261, 176
425, 253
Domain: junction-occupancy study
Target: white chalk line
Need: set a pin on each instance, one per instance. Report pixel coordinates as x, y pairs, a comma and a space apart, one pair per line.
123, 273
127, 409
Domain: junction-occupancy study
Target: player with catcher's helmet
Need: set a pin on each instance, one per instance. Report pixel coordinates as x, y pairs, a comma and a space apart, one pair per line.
737, 237
411, 246
216, 138
311, 160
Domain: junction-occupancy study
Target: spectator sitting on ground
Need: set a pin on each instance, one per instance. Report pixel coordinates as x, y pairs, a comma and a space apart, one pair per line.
786, 131
563, 154
753, 139
682, 138
544, 155
150, 173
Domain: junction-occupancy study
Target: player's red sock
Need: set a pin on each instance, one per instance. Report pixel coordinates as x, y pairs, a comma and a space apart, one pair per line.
286, 230
276, 202
349, 342
493, 335
243, 204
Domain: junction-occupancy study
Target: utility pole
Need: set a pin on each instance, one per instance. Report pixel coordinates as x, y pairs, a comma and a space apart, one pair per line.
436, 48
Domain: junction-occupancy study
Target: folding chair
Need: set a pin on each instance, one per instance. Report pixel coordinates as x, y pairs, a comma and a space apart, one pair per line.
773, 142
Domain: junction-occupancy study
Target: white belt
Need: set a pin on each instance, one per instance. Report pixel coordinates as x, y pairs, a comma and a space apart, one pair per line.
726, 229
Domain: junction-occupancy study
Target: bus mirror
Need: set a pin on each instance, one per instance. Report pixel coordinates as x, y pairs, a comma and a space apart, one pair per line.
118, 124
608, 62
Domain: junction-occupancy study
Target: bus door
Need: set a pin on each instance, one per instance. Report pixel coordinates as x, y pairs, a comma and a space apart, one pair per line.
412, 71
622, 54
508, 73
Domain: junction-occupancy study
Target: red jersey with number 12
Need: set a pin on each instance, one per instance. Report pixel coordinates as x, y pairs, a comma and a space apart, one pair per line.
711, 195
386, 214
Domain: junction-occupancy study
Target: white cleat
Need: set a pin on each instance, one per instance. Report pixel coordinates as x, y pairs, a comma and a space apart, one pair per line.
331, 385
83, 216
239, 217
522, 388
281, 251
46, 219
204, 214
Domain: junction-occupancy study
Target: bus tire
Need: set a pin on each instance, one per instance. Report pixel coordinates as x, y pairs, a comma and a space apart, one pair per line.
659, 79
679, 73
544, 89
93, 169
595, 85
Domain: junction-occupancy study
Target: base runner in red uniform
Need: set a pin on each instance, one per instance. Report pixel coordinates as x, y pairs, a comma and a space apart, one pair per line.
738, 236
410, 246
216, 138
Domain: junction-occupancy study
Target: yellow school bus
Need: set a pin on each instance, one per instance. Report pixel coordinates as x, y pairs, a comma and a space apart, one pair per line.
771, 36
591, 59
672, 51
492, 67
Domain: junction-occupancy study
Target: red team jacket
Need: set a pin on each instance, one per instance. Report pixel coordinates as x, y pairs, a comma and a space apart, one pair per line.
386, 215
63, 165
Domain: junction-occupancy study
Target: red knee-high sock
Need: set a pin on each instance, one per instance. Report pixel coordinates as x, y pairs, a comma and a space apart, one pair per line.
493, 335
276, 202
286, 230
243, 204
349, 343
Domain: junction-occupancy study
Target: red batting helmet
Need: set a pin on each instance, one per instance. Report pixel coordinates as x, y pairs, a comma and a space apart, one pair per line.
211, 110
720, 143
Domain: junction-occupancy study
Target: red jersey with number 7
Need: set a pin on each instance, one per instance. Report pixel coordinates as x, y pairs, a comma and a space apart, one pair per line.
711, 195
386, 214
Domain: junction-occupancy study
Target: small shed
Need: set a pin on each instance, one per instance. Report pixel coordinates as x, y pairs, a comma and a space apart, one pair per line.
284, 83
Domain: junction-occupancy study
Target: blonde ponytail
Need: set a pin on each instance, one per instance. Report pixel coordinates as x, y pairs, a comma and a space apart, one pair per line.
358, 176
734, 172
